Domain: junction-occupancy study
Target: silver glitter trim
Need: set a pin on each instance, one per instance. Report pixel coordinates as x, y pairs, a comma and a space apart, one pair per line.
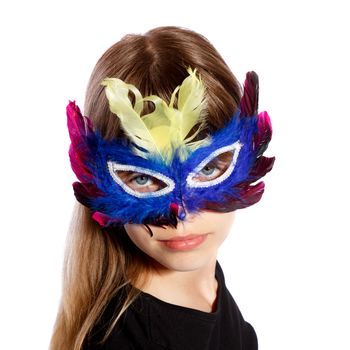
113, 167
235, 147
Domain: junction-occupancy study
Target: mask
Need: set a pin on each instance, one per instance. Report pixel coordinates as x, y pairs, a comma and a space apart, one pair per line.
163, 170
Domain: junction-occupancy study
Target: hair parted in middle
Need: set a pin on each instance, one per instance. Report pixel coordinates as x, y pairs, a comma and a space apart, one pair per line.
99, 263
156, 63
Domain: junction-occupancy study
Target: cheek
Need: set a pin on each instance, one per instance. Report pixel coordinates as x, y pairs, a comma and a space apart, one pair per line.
227, 219
135, 232
219, 223
215, 219
140, 237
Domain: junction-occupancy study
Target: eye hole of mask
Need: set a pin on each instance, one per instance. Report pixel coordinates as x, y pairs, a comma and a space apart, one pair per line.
217, 167
140, 182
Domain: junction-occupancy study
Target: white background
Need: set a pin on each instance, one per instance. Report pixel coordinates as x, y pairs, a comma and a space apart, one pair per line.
287, 259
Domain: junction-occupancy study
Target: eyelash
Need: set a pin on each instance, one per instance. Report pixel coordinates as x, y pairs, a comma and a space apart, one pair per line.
217, 165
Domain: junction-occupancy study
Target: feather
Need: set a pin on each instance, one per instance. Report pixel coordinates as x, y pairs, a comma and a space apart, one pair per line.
119, 103
250, 98
77, 124
264, 134
191, 103
82, 140
162, 132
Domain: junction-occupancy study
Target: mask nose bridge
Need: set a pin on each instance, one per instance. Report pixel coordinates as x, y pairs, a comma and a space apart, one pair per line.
178, 207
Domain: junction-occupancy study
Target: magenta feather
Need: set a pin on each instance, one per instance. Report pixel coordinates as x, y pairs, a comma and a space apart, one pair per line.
250, 98
80, 132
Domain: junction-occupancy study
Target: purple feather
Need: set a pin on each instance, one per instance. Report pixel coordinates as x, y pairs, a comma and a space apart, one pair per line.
85, 191
261, 167
250, 194
263, 137
250, 98
105, 220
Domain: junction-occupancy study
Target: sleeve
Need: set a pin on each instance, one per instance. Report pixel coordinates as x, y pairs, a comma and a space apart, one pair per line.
250, 340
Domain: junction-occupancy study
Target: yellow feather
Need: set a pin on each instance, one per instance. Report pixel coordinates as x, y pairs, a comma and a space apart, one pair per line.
119, 103
165, 129
191, 102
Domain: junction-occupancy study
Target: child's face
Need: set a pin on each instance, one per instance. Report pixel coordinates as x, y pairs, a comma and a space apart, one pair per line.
169, 247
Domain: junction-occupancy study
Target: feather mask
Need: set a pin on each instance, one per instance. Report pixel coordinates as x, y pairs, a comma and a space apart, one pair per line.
164, 173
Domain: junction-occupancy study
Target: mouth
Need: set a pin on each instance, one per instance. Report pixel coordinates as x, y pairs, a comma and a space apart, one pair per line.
187, 242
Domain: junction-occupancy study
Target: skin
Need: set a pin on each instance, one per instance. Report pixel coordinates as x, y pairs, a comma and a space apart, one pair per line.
184, 277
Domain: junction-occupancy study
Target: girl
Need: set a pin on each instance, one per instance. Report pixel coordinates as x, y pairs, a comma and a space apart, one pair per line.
170, 150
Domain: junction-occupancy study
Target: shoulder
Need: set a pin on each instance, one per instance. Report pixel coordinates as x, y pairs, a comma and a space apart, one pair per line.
249, 338
135, 329
232, 318
130, 332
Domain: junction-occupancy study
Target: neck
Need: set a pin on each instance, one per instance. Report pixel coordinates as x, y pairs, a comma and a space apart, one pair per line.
196, 289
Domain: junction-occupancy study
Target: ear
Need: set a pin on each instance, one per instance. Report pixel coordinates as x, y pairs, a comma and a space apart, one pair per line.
250, 99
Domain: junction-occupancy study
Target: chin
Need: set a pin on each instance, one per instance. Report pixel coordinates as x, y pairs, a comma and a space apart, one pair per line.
184, 262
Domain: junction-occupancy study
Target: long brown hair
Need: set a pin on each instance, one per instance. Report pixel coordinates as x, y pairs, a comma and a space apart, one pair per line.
100, 263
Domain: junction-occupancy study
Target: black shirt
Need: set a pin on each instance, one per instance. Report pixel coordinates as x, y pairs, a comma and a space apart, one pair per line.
152, 324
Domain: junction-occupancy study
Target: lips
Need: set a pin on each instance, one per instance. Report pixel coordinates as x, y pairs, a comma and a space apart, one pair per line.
184, 242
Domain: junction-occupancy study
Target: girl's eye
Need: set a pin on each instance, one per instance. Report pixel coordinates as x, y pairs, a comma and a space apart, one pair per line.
214, 168
217, 167
208, 172
140, 182
141, 179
